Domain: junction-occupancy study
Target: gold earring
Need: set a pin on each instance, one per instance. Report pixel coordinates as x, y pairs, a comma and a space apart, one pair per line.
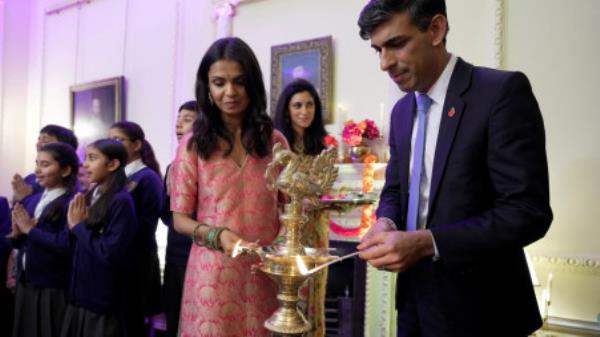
210, 99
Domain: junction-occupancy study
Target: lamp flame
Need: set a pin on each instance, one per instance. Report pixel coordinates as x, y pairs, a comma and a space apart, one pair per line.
237, 249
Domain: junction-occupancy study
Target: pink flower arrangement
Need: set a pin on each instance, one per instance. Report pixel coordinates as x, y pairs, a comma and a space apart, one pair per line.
355, 133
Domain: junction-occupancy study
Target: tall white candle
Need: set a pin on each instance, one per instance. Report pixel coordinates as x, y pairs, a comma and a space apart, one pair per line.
342, 117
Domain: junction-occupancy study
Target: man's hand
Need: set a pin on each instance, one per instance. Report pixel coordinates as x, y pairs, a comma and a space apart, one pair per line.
20, 188
396, 251
380, 226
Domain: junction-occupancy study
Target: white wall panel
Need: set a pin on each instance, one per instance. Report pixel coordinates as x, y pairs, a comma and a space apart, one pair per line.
14, 19
58, 67
101, 40
560, 55
149, 66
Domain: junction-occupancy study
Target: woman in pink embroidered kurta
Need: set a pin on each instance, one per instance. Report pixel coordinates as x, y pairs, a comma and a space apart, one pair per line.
225, 185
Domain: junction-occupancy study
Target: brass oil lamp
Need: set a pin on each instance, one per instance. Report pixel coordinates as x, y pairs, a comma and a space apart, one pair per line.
303, 179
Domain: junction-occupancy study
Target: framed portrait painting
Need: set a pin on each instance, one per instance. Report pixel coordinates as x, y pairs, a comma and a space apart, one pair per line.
311, 60
95, 106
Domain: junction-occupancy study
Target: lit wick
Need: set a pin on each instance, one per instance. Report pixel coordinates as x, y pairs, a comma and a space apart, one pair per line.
236, 249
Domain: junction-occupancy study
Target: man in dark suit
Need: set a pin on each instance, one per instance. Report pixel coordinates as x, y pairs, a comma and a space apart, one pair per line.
466, 185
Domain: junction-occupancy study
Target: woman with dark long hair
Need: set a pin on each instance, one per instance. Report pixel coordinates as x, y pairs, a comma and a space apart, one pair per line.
145, 185
219, 173
299, 117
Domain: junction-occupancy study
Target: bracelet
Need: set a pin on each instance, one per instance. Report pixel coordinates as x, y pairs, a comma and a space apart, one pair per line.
213, 238
195, 239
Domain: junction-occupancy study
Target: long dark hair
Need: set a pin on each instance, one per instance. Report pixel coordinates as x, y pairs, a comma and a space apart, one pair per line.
257, 127
115, 182
65, 155
134, 132
315, 133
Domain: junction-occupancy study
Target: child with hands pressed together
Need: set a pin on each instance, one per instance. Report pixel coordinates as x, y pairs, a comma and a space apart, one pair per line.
45, 250
104, 224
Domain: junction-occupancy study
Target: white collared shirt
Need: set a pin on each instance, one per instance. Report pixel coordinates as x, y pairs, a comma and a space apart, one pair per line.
134, 167
437, 93
47, 197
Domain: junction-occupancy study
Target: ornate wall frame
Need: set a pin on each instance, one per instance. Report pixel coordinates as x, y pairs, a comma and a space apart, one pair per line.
308, 59
95, 106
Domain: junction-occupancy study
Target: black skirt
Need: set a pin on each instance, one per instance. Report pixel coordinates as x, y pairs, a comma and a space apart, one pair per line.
143, 298
39, 312
83, 323
172, 292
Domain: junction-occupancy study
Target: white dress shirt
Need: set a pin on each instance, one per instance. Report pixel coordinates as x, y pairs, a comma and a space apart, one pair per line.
437, 93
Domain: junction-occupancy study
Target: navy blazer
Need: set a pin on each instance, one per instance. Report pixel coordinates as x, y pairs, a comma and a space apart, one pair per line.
101, 260
178, 245
48, 247
146, 189
5, 246
489, 198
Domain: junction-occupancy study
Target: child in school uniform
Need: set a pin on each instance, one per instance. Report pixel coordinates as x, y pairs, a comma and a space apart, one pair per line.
45, 251
104, 225
6, 298
178, 245
24, 187
145, 186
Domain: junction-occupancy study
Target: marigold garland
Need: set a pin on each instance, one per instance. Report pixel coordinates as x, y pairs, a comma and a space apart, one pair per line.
367, 216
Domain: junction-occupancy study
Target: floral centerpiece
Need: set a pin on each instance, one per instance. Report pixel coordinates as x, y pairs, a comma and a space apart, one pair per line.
355, 134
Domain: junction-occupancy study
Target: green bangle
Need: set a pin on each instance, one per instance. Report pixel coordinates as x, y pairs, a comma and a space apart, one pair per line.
210, 238
213, 240
279, 239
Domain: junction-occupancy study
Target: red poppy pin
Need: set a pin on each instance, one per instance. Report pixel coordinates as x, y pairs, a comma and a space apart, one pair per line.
452, 112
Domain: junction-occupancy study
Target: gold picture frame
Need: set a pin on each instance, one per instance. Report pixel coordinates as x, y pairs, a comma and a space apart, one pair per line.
308, 59
95, 106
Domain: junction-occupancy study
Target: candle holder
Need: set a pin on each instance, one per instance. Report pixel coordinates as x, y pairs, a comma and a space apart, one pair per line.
303, 179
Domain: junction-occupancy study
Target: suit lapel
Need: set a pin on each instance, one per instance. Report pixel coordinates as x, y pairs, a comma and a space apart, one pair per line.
452, 113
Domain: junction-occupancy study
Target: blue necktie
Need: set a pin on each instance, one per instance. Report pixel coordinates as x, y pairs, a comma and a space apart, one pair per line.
412, 220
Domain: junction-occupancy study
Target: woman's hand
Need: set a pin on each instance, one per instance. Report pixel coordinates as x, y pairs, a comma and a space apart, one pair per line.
228, 240
78, 211
23, 221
